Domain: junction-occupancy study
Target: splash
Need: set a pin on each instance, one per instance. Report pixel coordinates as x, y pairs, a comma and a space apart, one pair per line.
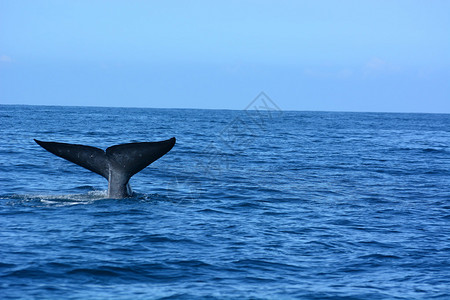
42, 200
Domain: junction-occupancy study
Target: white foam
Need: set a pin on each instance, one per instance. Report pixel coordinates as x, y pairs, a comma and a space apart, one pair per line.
62, 200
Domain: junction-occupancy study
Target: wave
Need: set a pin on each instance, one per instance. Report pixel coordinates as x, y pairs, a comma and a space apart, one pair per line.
89, 197
53, 200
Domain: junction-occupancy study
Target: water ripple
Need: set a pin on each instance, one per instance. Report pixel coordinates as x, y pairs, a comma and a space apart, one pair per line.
308, 206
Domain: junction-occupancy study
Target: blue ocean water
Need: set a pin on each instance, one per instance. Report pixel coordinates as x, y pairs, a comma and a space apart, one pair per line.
263, 204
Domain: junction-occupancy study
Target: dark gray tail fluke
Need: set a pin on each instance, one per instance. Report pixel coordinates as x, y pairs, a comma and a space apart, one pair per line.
117, 164
134, 157
91, 158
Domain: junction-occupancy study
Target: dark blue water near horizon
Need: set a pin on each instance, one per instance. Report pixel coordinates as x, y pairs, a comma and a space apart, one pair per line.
247, 205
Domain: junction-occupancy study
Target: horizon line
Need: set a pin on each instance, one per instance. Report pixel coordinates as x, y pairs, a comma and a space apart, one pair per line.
227, 109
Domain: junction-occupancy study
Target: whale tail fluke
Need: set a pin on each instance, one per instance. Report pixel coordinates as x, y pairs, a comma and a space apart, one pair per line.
91, 158
134, 157
117, 164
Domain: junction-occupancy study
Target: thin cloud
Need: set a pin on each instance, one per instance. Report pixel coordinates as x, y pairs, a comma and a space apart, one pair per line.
328, 73
376, 65
5, 59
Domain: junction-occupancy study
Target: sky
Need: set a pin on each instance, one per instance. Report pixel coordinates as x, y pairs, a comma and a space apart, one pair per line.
380, 56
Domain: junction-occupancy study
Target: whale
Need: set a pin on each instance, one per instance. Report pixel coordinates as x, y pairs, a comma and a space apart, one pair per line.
117, 163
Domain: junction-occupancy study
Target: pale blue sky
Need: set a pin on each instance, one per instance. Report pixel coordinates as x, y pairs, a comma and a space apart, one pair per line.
306, 55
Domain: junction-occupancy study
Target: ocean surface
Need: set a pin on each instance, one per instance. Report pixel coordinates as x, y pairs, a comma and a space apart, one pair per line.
251, 204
